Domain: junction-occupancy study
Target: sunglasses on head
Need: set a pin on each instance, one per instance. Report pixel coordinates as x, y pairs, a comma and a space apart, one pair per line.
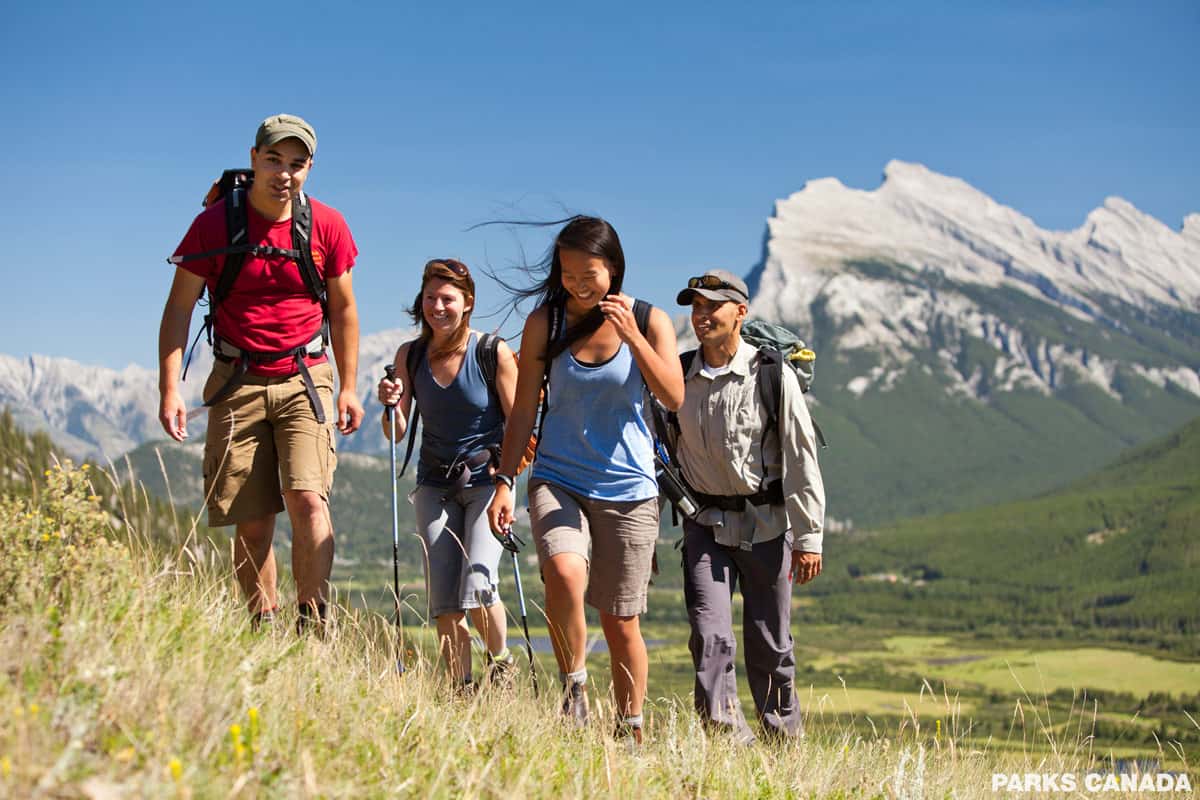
457, 267
711, 282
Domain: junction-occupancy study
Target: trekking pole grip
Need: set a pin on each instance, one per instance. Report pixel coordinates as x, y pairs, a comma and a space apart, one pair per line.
390, 373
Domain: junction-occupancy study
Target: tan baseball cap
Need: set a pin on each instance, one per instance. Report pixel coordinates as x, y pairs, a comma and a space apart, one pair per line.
276, 128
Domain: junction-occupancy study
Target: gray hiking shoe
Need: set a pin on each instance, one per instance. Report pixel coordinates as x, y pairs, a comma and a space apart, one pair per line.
501, 672
629, 734
575, 704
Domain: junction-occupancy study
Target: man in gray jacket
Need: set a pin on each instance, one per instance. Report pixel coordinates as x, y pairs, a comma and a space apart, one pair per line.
761, 508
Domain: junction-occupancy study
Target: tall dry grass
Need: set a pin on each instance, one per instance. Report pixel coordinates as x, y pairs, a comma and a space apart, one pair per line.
130, 671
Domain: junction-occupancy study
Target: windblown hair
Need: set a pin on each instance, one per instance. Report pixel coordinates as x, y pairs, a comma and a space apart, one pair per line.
441, 269
584, 234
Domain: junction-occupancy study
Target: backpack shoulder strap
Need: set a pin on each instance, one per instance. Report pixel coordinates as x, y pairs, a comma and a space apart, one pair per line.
487, 353
237, 224
770, 384
556, 328
641, 313
302, 225
686, 359
556, 325
413, 359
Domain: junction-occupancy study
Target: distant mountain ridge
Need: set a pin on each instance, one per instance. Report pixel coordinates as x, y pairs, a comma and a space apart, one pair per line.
99, 412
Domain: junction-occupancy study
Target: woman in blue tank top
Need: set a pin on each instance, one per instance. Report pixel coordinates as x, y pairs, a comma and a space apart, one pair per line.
593, 498
463, 424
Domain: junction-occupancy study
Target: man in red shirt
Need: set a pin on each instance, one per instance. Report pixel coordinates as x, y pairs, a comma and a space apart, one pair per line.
270, 443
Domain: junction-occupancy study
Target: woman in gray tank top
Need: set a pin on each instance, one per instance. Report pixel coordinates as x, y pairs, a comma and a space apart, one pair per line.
463, 423
593, 499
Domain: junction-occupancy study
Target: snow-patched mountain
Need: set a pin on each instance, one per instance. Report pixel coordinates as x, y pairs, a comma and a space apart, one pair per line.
967, 355
97, 412
943, 238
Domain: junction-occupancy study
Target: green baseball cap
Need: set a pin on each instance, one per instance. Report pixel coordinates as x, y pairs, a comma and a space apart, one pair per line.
276, 128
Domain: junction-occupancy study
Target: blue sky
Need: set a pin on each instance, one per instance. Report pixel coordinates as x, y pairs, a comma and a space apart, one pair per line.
680, 123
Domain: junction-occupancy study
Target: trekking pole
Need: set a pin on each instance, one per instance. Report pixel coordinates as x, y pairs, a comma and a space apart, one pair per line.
390, 371
524, 616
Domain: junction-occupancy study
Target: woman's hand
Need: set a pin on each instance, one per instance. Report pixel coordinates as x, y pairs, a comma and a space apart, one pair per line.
390, 392
618, 310
500, 510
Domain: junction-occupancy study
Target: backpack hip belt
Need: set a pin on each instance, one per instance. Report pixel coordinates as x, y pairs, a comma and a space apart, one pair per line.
460, 469
771, 495
226, 352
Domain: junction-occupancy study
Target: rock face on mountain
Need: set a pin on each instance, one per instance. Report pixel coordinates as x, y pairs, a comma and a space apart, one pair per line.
965, 355
905, 266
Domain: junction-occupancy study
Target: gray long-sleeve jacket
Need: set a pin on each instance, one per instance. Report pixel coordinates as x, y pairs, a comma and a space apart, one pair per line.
722, 451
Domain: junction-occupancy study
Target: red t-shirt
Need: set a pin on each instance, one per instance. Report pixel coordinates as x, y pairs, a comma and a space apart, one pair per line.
269, 308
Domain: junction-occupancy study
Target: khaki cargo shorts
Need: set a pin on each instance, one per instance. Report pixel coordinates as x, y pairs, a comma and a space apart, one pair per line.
615, 538
262, 439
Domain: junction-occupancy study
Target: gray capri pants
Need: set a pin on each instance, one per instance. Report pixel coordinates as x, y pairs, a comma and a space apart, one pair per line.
462, 569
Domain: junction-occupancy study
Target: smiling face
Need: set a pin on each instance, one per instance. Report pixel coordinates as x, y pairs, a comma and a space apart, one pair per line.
443, 306
585, 277
280, 170
714, 321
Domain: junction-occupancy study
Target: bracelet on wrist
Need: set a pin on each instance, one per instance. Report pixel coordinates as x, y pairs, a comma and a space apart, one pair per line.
507, 480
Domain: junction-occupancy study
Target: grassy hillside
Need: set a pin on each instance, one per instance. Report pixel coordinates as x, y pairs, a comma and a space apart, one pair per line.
129, 670
1114, 555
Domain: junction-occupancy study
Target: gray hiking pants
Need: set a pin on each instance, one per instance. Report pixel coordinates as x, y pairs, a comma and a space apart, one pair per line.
711, 571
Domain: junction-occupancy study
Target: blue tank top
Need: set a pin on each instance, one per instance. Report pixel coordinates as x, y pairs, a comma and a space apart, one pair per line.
456, 420
595, 439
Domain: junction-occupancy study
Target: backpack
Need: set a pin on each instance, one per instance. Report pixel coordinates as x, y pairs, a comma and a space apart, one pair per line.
233, 187
766, 336
776, 346
487, 349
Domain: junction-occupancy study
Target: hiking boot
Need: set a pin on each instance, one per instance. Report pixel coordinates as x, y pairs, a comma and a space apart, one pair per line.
312, 617
261, 619
575, 704
629, 733
502, 671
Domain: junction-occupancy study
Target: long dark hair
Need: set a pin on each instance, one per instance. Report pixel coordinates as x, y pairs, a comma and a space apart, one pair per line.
591, 235
457, 275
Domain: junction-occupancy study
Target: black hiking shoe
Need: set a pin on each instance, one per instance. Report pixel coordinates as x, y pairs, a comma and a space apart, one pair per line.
261, 619
575, 704
311, 619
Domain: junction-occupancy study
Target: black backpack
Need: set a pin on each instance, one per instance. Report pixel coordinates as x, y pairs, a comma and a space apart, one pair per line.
487, 349
233, 187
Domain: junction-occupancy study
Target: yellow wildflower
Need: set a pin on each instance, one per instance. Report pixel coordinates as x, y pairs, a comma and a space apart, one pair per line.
176, 769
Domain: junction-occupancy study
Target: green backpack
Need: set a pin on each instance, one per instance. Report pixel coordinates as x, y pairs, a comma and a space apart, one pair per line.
765, 336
